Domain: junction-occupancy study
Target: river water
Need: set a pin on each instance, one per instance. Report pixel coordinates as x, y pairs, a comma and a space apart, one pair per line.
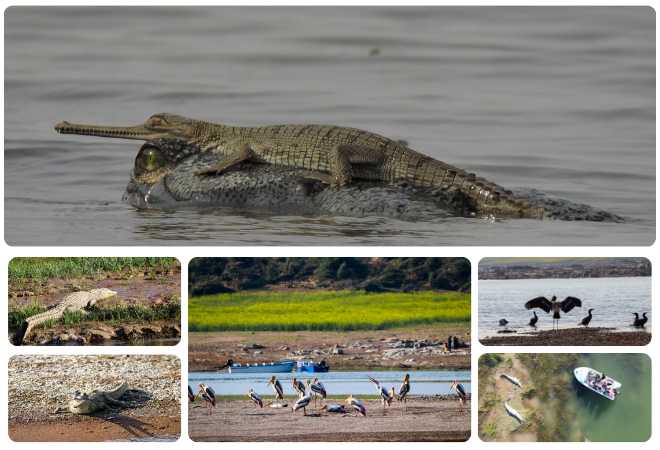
613, 299
558, 99
336, 383
627, 418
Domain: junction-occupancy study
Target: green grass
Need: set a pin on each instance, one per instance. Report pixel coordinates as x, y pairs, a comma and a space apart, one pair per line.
115, 314
22, 269
324, 311
485, 262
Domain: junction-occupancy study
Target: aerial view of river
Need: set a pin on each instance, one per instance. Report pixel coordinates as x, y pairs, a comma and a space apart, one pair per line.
614, 301
556, 99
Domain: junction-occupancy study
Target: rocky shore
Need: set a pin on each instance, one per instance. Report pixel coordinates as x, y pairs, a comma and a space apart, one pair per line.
40, 383
382, 350
427, 418
596, 336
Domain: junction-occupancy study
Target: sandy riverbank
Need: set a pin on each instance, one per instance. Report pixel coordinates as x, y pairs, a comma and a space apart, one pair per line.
401, 348
40, 383
426, 419
573, 336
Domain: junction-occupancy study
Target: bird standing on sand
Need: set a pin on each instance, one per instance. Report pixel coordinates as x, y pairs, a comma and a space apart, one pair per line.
279, 392
387, 399
534, 319
639, 322
298, 386
302, 403
357, 406
255, 398
191, 397
462, 396
207, 393
587, 319
403, 391
317, 388
553, 305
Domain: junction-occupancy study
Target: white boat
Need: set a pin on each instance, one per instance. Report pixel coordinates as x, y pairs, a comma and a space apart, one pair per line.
593, 380
284, 366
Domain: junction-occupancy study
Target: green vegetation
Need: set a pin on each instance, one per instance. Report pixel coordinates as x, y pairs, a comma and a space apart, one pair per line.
22, 269
324, 311
116, 315
490, 429
222, 275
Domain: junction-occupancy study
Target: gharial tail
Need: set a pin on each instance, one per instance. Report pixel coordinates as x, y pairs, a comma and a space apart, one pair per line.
479, 195
35, 320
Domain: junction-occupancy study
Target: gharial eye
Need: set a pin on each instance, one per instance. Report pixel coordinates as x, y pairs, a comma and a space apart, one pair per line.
150, 159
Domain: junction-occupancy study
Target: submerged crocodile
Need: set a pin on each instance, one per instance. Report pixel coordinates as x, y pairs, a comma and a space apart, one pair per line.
96, 400
77, 301
335, 155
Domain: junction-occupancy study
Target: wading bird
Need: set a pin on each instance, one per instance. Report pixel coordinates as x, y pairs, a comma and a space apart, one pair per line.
208, 394
279, 392
357, 406
317, 388
302, 403
534, 319
332, 409
553, 305
191, 397
298, 386
403, 391
639, 322
587, 319
387, 398
462, 396
255, 398
503, 322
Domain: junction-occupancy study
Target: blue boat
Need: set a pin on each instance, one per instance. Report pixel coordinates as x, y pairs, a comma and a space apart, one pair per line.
307, 365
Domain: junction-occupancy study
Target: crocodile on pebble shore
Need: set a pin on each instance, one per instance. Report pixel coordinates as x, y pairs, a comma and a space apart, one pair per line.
335, 155
77, 301
96, 400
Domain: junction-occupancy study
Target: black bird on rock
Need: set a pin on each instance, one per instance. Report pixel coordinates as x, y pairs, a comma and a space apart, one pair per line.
587, 319
553, 305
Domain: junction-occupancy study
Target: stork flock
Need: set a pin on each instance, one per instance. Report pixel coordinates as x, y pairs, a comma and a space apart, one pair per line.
566, 305
317, 389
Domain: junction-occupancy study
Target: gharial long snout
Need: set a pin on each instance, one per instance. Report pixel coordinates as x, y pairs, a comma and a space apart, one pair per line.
136, 132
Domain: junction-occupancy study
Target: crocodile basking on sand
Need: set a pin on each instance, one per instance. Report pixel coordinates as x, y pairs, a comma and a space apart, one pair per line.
96, 400
335, 155
78, 301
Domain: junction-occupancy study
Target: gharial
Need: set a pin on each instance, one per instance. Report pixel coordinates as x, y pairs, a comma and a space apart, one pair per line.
335, 155
78, 301
96, 400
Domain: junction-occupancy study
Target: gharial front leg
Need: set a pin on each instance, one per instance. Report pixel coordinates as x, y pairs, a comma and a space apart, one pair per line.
237, 155
341, 171
117, 403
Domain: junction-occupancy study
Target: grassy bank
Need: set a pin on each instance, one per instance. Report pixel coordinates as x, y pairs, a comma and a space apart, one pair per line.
324, 311
115, 315
22, 269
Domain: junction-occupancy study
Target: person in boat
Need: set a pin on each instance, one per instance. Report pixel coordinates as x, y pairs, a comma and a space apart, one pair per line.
616, 391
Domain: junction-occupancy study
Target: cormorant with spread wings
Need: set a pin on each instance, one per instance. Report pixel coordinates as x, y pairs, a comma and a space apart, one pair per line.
554, 306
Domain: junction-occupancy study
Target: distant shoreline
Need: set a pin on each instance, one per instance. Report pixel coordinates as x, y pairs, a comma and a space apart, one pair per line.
596, 336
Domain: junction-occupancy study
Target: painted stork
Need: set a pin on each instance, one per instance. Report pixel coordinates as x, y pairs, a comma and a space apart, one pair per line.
403, 391
554, 306
255, 398
357, 406
325, 392
302, 403
387, 399
191, 397
332, 409
587, 319
279, 391
316, 388
503, 322
298, 386
462, 396
533, 320
639, 322
208, 394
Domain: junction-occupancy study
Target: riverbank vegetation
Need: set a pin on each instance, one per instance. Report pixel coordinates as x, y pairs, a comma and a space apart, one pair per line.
325, 311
